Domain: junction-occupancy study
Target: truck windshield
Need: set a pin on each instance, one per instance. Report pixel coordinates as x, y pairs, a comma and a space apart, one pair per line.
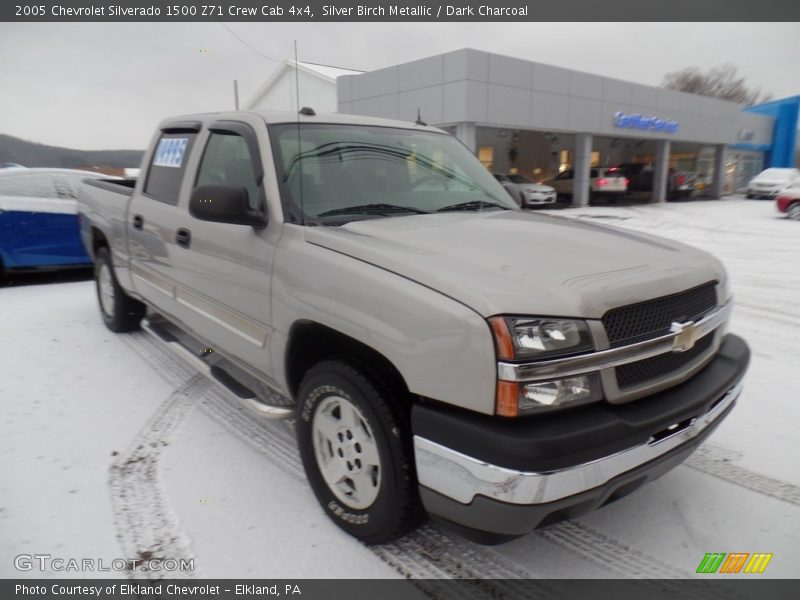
331, 174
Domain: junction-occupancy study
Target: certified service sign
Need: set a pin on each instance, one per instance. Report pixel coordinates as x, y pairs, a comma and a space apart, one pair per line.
639, 121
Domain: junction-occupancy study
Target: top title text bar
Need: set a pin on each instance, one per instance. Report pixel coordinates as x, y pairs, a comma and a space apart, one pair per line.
421, 10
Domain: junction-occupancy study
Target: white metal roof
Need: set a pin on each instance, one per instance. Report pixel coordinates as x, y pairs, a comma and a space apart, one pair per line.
325, 72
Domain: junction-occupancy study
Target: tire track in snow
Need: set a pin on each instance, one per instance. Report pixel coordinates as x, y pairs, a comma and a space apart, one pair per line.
602, 550
709, 460
147, 527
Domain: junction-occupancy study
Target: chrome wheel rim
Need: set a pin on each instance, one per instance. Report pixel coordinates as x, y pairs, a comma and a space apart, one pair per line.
105, 287
794, 212
346, 452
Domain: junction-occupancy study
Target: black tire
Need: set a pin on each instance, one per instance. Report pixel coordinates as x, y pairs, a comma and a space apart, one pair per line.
122, 313
396, 509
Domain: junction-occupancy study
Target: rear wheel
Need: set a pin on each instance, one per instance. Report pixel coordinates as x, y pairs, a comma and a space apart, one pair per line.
120, 312
355, 443
794, 211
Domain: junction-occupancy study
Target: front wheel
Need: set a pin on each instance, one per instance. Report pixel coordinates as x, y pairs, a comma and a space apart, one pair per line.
120, 312
794, 211
355, 443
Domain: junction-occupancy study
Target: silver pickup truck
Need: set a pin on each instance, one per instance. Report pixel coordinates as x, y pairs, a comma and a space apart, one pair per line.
441, 351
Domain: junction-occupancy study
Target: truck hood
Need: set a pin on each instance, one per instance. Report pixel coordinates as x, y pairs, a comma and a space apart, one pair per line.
511, 262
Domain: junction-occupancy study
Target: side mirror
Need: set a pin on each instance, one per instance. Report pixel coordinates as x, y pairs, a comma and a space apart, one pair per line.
224, 204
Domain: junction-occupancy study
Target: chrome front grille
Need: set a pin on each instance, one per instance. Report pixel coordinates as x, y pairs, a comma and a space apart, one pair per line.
636, 323
663, 365
649, 319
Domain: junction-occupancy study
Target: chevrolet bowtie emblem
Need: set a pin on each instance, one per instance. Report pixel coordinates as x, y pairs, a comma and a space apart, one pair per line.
687, 336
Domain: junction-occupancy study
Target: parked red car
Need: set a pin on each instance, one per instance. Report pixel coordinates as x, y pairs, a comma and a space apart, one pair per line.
788, 202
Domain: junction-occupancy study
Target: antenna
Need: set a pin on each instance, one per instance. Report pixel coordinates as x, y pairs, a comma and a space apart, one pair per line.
419, 120
236, 94
299, 147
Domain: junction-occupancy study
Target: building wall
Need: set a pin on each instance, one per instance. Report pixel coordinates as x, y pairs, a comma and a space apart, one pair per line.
784, 151
500, 91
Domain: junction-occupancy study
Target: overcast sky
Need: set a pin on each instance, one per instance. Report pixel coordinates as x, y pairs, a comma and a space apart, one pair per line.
106, 85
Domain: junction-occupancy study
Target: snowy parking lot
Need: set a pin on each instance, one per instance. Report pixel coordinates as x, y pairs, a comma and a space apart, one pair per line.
110, 448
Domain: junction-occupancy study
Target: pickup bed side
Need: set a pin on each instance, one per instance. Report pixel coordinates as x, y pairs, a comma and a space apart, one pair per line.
103, 209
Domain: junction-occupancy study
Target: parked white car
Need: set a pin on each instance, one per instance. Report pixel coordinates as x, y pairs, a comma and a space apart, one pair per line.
769, 182
526, 192
609, 182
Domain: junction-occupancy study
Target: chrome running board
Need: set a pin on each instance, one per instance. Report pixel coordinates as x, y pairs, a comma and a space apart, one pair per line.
230, 379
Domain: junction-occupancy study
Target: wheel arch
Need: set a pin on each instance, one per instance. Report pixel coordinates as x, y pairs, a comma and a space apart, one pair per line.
310, 342
98, 240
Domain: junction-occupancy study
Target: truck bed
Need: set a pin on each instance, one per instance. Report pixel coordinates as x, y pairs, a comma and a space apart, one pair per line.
117, 186
103, 205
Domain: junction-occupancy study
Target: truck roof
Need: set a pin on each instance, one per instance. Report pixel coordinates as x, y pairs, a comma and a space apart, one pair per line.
284, 116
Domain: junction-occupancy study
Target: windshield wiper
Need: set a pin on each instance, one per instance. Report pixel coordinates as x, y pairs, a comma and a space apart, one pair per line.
372, 209
472, 205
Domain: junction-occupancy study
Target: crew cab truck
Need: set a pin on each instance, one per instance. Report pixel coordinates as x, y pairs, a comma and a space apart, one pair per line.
372, 281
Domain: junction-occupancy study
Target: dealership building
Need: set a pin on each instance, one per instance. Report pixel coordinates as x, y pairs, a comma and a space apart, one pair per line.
538, 120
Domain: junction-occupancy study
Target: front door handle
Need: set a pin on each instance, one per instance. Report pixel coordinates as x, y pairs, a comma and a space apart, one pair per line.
183, 237
138, 221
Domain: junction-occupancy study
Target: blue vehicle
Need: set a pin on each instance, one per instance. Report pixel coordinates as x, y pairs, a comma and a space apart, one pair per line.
39, 219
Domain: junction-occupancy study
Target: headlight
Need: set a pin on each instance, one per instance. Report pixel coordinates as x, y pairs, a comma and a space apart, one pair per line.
520, 338
514, 399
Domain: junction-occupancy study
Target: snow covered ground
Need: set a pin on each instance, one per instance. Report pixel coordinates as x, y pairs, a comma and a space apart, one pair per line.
111, 449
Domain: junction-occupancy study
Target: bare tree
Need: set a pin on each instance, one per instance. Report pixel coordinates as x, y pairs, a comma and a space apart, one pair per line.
721, 82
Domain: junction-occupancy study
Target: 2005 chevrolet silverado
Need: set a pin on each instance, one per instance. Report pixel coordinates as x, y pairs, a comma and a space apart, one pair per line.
441, 351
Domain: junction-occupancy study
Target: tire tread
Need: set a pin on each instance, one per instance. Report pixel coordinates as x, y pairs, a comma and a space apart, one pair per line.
128, 312
390, 410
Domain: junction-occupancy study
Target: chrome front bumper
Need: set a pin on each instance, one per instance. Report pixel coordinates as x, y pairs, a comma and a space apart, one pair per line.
462, 478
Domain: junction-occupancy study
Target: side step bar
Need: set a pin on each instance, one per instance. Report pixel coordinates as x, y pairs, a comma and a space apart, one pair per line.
219, 370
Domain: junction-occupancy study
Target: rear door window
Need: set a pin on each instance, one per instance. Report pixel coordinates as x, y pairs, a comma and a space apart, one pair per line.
168, 165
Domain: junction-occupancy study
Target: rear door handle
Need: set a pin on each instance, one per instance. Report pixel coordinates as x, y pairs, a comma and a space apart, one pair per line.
138, 221
183, 237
